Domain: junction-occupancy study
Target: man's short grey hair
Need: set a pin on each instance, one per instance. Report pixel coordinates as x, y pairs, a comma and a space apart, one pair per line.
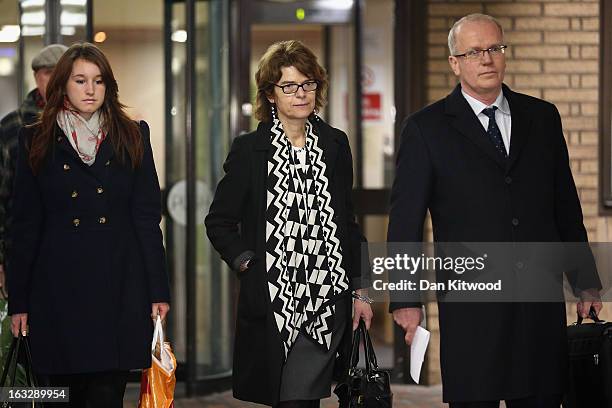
452, 34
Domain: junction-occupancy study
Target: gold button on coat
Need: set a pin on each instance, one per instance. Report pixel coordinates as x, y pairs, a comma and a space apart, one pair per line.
66, 167
102, 220
100, 190
74, 194
76, 222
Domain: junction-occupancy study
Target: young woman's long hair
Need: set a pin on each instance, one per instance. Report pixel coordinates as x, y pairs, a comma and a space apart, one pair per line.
124, 133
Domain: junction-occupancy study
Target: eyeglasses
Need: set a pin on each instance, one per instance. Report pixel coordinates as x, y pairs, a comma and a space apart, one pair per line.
307, 86
476, 54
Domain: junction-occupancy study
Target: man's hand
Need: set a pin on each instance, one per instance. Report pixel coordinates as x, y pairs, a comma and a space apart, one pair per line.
589, 298
19, 324
161, 309
408, 319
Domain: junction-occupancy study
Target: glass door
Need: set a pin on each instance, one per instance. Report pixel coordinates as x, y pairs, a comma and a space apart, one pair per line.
197, 139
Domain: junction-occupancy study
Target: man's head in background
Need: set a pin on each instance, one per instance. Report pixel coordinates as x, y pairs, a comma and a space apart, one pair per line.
43, 64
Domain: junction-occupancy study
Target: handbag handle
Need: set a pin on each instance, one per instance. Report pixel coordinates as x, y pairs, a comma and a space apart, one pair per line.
30, 378
158, 334
370, 356
592, 315
355, 348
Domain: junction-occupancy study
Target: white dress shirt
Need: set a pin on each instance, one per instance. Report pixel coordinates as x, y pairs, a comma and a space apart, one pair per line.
502, 115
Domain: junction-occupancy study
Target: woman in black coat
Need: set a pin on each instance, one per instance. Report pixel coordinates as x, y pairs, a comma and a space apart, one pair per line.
282, 218
87, 270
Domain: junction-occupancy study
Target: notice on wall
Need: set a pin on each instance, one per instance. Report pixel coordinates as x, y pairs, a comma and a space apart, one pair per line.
371, 106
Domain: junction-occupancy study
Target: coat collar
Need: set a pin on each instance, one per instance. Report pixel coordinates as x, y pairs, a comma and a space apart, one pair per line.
521, 125
463, 119
329, 141
104, 154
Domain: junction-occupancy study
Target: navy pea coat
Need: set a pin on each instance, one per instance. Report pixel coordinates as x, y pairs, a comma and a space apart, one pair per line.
236, 225
447, 164
87, 258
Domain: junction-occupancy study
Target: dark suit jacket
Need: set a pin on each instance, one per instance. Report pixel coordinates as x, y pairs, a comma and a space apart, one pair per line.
236, 225
87, 258
446, 164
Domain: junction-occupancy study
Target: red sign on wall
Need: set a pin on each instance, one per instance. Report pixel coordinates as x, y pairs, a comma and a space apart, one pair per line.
370, 106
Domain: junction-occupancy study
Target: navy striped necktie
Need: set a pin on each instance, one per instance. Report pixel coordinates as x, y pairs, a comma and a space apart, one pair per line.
493, 131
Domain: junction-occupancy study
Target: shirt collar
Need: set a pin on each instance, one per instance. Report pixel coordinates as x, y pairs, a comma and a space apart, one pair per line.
501, 102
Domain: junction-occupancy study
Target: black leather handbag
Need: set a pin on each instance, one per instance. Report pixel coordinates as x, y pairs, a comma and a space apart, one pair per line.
367, 387
590, 364
18, 372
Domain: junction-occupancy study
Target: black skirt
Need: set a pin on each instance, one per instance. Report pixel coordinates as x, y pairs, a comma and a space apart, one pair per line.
307, 374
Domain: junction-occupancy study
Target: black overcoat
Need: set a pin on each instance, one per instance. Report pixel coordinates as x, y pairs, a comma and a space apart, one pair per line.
87, 258
236, 224
446, 164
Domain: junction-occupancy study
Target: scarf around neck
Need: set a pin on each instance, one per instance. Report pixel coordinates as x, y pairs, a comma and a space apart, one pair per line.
84, 135
303, 253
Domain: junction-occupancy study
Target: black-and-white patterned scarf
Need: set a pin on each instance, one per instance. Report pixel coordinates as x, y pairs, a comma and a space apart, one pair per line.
303, 254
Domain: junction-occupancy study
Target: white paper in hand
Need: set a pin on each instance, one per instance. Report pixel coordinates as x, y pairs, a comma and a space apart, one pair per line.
417, 352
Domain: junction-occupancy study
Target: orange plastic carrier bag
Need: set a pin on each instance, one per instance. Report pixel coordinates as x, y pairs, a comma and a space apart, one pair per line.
158, 382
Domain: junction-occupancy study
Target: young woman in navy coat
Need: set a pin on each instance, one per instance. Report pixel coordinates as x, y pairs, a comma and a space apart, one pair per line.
87, 267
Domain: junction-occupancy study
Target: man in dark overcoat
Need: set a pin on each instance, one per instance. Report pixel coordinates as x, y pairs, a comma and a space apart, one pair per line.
490, 165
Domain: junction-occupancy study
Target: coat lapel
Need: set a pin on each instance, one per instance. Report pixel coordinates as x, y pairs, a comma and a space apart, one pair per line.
104, 154
521, 125
63, 144
463, 119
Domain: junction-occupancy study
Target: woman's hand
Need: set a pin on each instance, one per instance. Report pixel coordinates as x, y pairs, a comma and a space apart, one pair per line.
361, 310
161, 309
19, 324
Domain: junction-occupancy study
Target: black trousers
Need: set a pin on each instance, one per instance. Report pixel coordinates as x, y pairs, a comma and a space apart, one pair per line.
541, 401
93, 390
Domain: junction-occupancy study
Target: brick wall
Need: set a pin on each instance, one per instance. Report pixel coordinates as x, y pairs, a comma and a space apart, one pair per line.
554, 55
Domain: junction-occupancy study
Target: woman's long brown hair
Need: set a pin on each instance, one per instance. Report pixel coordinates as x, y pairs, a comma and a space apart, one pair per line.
124, 133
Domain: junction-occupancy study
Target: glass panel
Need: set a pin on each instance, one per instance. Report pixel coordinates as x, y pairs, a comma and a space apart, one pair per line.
378, 111
175, 180
341, 70
214, 326
378, 97
32, 19
9, 58
215, 321
73, 20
